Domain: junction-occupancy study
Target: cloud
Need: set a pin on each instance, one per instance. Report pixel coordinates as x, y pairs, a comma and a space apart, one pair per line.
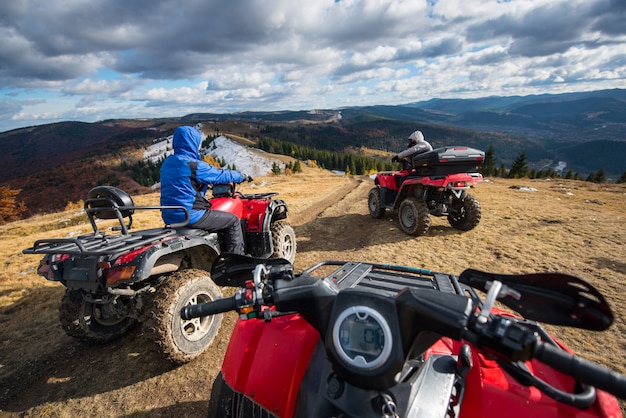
139, 57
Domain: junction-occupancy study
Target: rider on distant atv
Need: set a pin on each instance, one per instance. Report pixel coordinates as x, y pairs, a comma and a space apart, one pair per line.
184, 181
417, 145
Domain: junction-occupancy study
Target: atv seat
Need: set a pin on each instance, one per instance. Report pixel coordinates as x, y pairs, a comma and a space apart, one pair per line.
192, 231
108, 202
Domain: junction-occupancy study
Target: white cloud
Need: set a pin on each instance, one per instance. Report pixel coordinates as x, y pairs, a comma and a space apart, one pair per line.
115, 58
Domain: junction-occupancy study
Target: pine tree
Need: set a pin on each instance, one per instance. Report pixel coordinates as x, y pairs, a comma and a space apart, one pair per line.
501, 171
488, 167
622, 178
598, 177
519, 168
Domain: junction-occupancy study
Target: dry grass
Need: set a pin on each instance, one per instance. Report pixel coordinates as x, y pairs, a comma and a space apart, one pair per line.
566, 226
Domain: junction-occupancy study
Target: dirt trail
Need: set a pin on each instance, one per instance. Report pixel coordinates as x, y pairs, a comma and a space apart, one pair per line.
316, 207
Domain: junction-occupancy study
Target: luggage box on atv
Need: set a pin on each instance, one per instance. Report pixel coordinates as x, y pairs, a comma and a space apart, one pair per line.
448, 160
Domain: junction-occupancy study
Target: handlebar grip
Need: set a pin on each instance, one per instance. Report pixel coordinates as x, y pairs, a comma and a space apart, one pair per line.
208, 308
582, 370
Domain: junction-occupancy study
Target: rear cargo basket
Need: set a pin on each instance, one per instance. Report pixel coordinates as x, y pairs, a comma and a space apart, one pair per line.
448, 160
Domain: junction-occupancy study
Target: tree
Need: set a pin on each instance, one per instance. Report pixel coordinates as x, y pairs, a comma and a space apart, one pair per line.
501, 171
10, 208
210, 160
488, 167
598, 177
519, 168
622, 178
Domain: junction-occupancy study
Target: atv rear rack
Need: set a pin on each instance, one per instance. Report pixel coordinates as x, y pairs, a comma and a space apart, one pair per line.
106, 202
99, 244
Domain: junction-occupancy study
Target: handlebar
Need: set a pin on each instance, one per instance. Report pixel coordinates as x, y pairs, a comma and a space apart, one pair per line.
250, 294
209, 308
514, 341
582, 370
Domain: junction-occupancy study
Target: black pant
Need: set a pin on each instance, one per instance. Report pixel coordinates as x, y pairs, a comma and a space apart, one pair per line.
215, 220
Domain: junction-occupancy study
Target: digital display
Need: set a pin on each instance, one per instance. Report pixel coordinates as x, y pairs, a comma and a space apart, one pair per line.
362, 337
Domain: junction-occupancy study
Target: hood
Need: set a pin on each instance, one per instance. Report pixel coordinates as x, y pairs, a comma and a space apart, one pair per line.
416, 136
186, 141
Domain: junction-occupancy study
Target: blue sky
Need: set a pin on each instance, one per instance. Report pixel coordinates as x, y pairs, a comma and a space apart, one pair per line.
90, 60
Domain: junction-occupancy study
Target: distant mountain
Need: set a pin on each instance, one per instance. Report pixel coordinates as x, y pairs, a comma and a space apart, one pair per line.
509, 103
56, 163
569, 117
558, 127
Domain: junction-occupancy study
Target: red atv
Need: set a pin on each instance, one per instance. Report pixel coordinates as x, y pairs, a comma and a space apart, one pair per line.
437, 185
355, 339
116, 280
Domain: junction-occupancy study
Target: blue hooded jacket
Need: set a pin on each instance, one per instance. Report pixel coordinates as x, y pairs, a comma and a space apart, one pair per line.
184, 177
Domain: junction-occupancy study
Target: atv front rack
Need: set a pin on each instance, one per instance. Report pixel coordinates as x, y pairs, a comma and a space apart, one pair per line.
388, 278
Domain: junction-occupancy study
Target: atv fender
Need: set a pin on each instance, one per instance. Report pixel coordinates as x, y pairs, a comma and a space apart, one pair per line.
197, 252
408, 189
191, 248
258, 232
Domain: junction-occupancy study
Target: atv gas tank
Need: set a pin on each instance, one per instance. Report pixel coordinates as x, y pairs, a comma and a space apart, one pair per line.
228, 204
271, 372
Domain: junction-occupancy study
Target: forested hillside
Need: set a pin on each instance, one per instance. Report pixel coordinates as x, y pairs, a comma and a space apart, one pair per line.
51, 165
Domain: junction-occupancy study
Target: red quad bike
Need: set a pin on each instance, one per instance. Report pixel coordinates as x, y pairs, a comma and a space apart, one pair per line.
116, 280
355, 339
436, 185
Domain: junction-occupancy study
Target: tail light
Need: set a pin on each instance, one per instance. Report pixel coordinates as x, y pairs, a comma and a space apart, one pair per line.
121, 269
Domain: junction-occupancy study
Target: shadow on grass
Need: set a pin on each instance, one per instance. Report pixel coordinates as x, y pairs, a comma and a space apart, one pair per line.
611, 264
355, 231
40, 364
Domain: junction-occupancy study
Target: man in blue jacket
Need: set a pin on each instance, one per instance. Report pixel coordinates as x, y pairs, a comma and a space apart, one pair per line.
184, 181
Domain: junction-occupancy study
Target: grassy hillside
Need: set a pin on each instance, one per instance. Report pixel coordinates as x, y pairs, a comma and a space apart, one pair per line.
568, 226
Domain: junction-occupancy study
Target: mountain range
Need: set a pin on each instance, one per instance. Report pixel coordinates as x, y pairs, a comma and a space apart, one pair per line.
58, 163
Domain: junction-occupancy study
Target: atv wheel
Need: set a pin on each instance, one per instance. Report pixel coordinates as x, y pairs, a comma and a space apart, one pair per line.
181, 340
91, 322
414, 216
283, 241
374, 203
467, 215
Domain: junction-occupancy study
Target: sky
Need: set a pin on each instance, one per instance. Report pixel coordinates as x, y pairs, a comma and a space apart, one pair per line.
91, 60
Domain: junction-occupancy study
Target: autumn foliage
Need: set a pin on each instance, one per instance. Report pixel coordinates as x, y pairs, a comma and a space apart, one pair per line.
10, 208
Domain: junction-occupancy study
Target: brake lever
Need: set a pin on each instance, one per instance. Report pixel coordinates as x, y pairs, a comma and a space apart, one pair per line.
504, 337
496, 290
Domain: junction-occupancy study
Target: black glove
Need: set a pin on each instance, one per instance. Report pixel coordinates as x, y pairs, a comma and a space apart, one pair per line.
395, 159
247, 178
